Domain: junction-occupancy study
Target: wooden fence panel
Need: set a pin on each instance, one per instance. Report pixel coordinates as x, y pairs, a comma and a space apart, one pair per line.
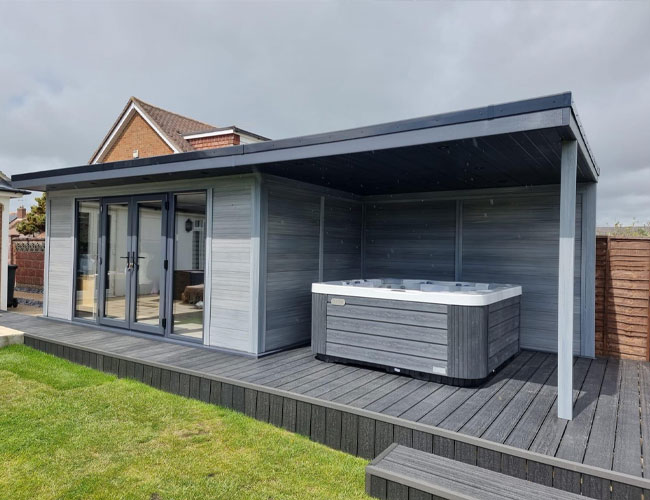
623, 297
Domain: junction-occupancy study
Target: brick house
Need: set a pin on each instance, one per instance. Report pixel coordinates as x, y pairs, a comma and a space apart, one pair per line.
142, 130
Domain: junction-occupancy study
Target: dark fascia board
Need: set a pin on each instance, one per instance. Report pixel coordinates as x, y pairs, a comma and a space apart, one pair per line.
578, 131
541, 112
5, 189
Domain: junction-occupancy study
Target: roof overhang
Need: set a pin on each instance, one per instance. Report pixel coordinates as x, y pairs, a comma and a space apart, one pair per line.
13, 193
512, 144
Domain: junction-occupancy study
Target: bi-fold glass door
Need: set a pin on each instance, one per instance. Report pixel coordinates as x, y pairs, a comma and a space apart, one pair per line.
133, 262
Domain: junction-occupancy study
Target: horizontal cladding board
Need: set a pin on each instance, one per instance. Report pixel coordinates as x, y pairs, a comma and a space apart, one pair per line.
407, 332
494, 332
413, 239
501, 315
502, 342
230, 318
514, 239
288, 335
335, 273
61, 256
390, 344
406, 362
504, 303
392, 304
417, 318
502, 355
298, 263
292, 263
342, 228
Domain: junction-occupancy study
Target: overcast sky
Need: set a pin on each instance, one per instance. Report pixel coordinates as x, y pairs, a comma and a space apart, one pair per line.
286, 68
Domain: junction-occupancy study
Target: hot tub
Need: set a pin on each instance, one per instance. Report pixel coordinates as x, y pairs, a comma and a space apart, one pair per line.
455, 332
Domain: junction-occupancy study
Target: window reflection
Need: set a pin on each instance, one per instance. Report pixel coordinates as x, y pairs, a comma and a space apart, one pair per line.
87, 262
189, 264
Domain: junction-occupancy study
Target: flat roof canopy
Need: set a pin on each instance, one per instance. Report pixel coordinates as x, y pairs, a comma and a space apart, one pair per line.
506, 145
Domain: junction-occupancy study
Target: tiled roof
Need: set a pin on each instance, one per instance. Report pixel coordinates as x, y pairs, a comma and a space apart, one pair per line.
173, 125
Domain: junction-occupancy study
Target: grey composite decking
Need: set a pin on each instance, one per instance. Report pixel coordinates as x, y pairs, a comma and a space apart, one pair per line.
400, 473
508, 424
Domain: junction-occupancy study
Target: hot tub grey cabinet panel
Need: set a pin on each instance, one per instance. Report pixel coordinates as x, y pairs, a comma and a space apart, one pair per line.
503, 331
458, 342
399, 334
468, 341
482, 338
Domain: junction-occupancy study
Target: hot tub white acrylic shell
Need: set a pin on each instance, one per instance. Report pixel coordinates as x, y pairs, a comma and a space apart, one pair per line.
459, 293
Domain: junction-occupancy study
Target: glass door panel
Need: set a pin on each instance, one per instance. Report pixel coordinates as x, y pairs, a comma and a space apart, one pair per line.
148, 261
86, 265
189, 226
116, 261
133, 262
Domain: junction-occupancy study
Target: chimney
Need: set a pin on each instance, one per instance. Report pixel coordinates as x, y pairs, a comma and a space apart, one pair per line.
21, 212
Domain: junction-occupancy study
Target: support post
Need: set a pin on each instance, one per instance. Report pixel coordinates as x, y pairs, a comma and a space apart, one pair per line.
459, 242
569, 170
588, 272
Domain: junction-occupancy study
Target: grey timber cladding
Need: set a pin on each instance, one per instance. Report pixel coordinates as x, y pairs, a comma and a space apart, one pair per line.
230, 319
61, 241
514, 239
292, 265
342, 239
410, 240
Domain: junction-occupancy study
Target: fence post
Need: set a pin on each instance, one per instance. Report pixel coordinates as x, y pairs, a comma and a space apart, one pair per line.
605, 304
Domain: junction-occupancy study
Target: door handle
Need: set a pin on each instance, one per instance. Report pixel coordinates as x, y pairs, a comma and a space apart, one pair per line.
129, 263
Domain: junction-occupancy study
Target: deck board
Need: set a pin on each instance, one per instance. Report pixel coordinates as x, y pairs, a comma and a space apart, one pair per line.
393, 397
627, 450
481, 420
644, 386
550, 433
516, 407
574, 441
458, 418
501, 427
600, 446
394, 384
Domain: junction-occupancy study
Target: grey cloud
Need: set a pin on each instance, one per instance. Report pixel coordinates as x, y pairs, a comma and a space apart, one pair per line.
290, 68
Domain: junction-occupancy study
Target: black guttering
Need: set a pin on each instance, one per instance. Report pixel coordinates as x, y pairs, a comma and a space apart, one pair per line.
546, 103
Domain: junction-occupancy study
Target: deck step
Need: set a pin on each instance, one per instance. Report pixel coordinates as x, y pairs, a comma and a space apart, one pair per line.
9, 336
401, 473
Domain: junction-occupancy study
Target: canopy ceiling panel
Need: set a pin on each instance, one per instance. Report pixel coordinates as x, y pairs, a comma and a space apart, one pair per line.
513, 144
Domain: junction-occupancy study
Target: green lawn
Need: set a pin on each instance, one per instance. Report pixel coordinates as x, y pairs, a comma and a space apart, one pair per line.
67, 431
